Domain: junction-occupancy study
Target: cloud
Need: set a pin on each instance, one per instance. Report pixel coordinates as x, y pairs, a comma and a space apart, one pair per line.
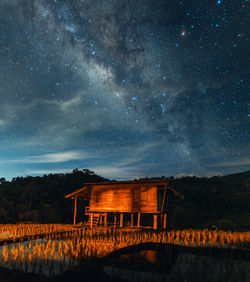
47, 171
244, 161
55, 157
2, 123
113, 172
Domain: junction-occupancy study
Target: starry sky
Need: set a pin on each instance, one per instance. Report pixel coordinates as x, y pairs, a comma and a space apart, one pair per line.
125, 88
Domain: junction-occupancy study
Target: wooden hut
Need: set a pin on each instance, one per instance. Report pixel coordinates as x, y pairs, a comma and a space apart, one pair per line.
110, 202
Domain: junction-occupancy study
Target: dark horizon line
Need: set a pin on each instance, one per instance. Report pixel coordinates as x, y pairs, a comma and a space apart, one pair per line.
119, 179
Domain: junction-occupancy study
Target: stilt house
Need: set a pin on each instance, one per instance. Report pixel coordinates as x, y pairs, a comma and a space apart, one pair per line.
122, 203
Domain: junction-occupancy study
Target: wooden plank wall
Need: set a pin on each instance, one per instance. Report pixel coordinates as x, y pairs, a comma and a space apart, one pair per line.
124, 198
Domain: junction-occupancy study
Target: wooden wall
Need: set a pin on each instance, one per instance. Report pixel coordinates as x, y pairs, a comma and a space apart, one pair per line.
124, 198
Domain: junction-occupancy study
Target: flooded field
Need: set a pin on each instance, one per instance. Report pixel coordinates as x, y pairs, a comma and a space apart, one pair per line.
132, 255
156, 266
44, 257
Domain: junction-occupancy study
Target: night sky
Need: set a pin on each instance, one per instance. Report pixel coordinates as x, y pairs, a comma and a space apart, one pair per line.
124, 88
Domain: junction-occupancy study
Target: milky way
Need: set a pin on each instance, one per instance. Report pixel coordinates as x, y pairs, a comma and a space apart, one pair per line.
125, 88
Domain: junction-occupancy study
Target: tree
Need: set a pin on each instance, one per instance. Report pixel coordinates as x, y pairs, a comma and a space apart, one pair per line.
2, 180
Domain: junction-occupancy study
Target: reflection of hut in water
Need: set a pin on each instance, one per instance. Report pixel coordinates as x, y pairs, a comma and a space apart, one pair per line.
151, 258
121, 203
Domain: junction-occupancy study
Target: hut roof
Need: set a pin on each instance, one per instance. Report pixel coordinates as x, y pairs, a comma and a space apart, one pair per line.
84, 192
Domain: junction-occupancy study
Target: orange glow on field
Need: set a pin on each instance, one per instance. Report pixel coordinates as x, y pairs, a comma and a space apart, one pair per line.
84, 243
14, 231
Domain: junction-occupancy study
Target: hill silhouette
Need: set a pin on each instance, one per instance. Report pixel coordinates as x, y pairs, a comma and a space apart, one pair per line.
221, 201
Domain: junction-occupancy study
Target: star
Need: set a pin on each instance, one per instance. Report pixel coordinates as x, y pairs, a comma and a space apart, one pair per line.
183, 33
98, 81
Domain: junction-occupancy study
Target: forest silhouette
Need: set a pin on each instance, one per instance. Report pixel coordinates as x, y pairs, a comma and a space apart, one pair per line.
217, 202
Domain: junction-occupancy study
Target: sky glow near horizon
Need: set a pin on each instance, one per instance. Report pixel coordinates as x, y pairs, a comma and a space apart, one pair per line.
124, 88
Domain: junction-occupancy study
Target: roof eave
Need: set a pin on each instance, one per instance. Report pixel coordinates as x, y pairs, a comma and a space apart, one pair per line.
73, 194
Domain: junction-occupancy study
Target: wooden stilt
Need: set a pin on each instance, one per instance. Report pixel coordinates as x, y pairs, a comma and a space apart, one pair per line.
138, 219
75, 211
91, 220
163, 205
132, 219
163, 199
164, 221
155, 221
121, 220
105, 219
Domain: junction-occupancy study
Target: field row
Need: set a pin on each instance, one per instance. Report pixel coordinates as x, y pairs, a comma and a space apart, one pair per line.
57, 252
14, 231
54, 256
188, 237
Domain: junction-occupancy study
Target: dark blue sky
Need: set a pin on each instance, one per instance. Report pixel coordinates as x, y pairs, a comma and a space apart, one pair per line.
124, 88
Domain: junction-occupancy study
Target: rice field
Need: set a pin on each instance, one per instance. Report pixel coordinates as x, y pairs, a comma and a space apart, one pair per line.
187, 237
63, 246
16, 231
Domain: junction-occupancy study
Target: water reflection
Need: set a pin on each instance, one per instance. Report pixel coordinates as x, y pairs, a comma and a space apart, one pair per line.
143, 262
40, 256
172, 265
160, 261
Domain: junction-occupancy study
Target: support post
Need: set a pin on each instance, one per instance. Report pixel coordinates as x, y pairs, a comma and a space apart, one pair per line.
162, 205
138, 219
164, 221
121, 220
164, 197
105, 219
91, 219
75, 211
155, 221
132, 219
